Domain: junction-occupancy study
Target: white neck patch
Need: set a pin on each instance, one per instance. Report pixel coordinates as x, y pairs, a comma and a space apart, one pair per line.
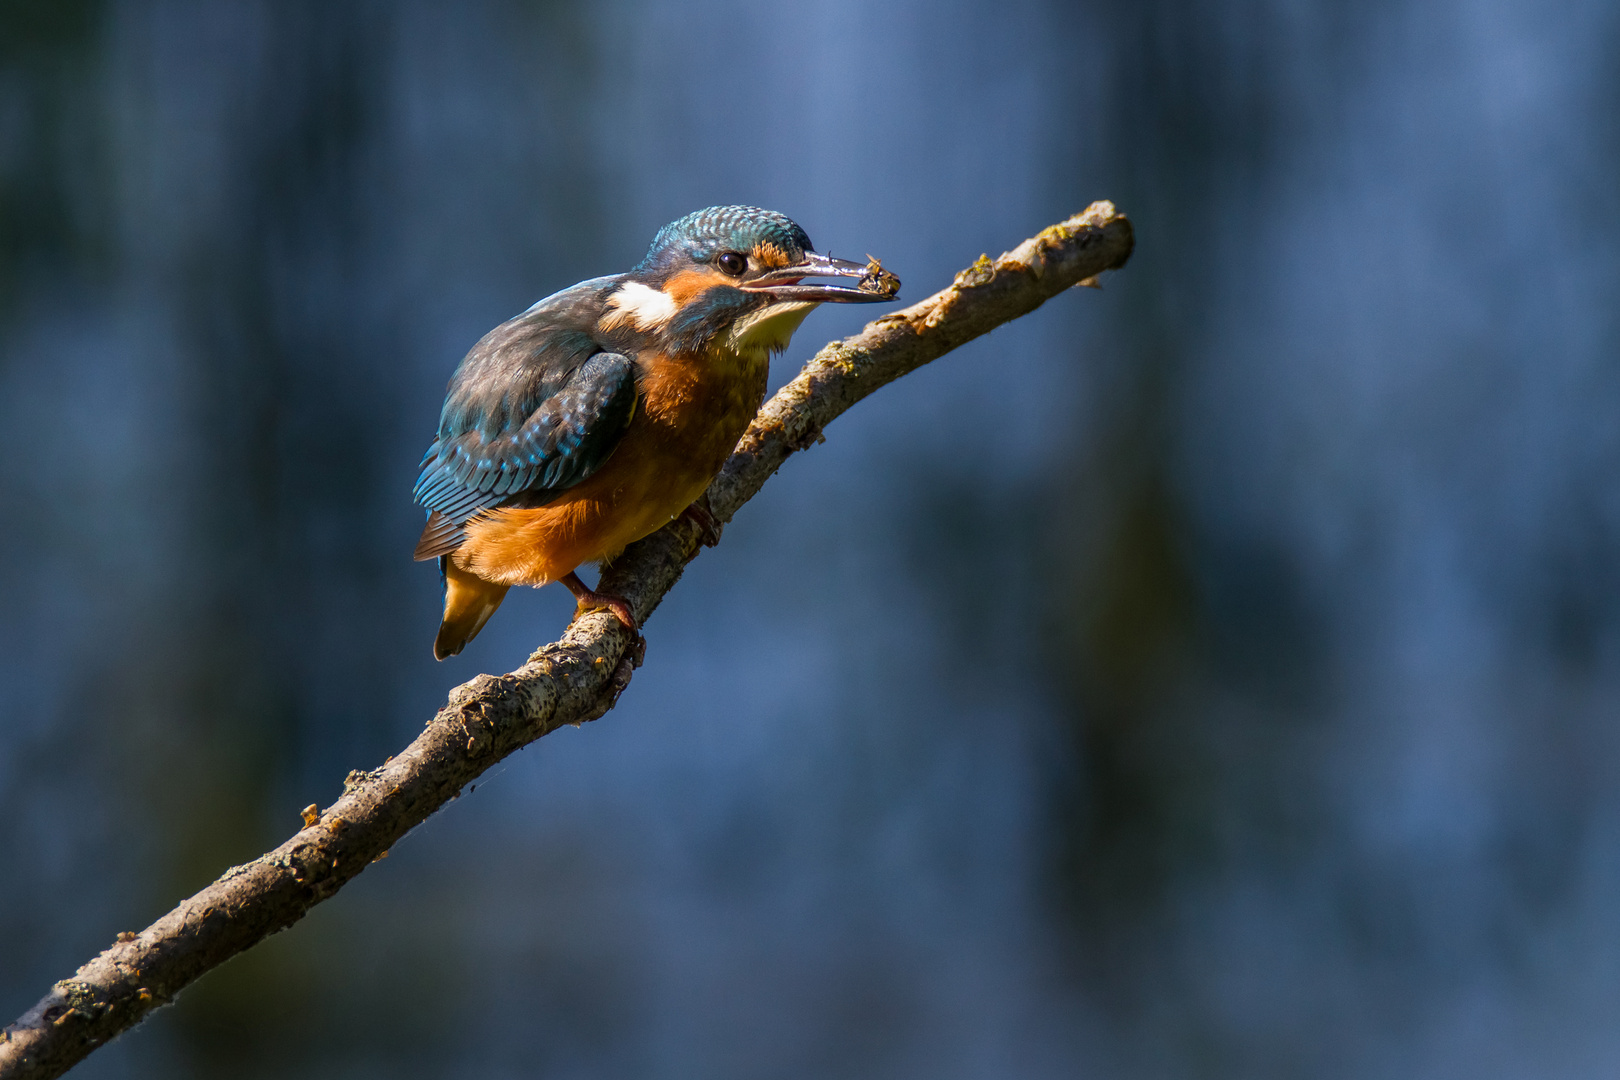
770, 328
646, 308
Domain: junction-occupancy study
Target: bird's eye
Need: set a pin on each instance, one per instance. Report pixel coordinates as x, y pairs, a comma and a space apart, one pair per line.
733, 263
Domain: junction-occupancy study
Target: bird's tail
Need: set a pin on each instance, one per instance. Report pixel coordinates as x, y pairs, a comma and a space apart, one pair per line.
468, 603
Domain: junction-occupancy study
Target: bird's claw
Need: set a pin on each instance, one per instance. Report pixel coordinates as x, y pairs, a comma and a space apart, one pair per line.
700, 515
588, 599
616, 604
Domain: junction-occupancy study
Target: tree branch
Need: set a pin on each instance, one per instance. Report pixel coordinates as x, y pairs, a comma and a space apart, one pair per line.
574, 679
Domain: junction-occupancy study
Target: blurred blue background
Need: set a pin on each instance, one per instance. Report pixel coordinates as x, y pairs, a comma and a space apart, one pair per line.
1211, 677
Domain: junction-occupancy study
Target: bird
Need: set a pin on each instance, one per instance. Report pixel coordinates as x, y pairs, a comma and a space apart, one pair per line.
603, 411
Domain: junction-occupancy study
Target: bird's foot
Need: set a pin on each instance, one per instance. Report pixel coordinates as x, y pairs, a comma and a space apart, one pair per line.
589, 599
701, 516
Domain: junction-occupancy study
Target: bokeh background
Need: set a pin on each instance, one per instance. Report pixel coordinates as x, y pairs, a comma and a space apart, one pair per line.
1211, 677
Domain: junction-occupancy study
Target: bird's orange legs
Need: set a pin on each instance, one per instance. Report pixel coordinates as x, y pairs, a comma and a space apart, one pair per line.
588, 599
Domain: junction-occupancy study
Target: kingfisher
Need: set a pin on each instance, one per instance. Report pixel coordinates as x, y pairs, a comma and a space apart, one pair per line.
604, 411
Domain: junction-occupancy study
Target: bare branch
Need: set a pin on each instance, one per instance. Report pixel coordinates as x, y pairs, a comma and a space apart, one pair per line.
574, 679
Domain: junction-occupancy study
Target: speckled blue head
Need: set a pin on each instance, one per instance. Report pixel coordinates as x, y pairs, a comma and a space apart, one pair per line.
699, 237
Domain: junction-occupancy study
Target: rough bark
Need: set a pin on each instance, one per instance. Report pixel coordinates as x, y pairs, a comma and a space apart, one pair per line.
574, 679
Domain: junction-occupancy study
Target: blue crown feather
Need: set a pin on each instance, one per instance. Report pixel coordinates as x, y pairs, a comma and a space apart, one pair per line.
703, 234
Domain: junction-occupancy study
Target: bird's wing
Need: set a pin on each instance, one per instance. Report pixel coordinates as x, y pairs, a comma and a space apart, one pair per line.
534, 409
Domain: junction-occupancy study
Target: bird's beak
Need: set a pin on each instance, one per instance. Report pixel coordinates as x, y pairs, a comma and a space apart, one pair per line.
782, 283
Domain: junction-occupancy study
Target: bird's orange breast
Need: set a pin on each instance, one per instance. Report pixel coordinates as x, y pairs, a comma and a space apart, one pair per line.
692, 410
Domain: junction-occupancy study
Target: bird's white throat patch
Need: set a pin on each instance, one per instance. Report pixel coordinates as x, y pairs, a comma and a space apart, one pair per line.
645, 307
770, 328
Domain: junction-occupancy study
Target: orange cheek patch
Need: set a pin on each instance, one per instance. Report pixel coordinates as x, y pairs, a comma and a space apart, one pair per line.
771, 255
686, 285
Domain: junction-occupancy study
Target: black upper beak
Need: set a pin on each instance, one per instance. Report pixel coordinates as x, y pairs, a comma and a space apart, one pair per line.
782, 283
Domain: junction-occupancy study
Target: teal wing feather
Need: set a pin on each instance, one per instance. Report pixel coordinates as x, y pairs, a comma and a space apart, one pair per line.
534, 409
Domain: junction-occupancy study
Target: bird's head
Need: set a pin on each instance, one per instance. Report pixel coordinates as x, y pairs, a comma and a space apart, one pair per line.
734, 274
